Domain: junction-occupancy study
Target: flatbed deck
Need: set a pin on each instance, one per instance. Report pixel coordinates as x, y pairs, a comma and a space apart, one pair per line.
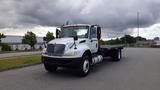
112, 47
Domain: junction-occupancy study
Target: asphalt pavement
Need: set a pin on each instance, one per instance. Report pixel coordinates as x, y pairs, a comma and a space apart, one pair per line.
15, 54
138, 70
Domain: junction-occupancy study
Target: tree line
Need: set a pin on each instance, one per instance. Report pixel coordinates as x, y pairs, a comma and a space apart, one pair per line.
127, 39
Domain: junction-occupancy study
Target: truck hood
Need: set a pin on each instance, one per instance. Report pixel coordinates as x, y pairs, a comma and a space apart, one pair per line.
64, 41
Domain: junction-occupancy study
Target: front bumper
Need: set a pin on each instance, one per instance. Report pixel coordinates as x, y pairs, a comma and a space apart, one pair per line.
64, 62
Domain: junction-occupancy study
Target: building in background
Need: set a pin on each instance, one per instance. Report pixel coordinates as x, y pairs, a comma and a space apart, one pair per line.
153, 43
147, 42
16, 42
157, 42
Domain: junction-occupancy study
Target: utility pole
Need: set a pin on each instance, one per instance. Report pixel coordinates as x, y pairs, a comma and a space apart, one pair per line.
138, 24
137, 27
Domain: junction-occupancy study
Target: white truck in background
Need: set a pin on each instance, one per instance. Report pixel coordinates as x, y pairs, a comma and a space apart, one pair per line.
78, 46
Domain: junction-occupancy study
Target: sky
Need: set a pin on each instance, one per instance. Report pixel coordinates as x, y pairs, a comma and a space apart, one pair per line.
116, 17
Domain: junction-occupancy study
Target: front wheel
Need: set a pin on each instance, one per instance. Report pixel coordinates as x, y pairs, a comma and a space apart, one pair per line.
50, 68
84, 66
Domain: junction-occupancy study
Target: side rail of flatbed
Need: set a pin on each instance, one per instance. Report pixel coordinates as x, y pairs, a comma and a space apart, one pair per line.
112, 47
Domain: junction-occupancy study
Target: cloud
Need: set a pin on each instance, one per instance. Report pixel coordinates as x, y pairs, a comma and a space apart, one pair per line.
113, 15
149, 32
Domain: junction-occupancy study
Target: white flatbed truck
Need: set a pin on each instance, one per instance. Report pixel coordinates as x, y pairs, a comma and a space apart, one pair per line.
78, 46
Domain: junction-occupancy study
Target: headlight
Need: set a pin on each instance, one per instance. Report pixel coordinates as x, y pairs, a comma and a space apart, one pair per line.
71, 53
44, 51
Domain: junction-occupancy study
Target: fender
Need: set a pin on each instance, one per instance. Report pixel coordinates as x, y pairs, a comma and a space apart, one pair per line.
82, 48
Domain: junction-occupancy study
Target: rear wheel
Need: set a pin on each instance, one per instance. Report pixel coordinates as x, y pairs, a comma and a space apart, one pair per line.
84, 66
116, 55
50, 68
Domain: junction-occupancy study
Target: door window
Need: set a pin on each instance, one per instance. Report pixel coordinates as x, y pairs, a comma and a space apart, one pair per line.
93, 33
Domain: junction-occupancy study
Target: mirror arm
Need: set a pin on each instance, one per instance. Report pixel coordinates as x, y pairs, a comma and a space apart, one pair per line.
45, 44
75, 45
75, 38
44, 41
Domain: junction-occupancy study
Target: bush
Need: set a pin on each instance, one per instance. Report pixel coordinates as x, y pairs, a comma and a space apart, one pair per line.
17, 49
6, 47
25, 49
40, 48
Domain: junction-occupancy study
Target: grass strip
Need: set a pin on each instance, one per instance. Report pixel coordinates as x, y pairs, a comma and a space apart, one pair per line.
20, 61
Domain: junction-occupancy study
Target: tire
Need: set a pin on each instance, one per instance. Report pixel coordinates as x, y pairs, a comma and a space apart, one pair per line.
117, 55
84, 68
50, 68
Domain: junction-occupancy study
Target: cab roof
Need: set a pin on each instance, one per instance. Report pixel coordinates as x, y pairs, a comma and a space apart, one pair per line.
78, 25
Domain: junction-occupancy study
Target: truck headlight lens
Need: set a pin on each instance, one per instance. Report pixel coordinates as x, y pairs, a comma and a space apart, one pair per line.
44, 51
71, 53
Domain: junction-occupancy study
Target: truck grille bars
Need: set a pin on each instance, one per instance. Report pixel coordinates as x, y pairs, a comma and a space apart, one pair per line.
55, 49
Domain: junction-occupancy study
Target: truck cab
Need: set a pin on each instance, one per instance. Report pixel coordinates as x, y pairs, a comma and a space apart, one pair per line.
86, 34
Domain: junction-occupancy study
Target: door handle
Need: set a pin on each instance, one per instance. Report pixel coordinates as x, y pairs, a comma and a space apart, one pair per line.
93, 40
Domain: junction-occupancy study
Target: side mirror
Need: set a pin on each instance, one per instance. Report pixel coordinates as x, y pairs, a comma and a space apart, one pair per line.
44, 38
44, 41
75, 38
57, 32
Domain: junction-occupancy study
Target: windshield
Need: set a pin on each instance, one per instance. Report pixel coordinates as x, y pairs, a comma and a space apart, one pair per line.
71, 31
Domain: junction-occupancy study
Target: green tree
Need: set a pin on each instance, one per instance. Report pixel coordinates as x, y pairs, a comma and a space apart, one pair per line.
114, 41
110, 42
30, 39
128, 39
156, 38
102, 42
2, 36
139, 38
6, 47
49, 36
117, 41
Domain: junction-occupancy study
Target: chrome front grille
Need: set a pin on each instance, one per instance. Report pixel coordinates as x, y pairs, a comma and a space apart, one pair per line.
55, 49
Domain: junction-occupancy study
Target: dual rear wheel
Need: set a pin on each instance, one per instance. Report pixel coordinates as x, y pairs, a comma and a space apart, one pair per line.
116, 55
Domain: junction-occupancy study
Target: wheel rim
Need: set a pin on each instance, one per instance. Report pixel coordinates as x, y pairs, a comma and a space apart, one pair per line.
86, 66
